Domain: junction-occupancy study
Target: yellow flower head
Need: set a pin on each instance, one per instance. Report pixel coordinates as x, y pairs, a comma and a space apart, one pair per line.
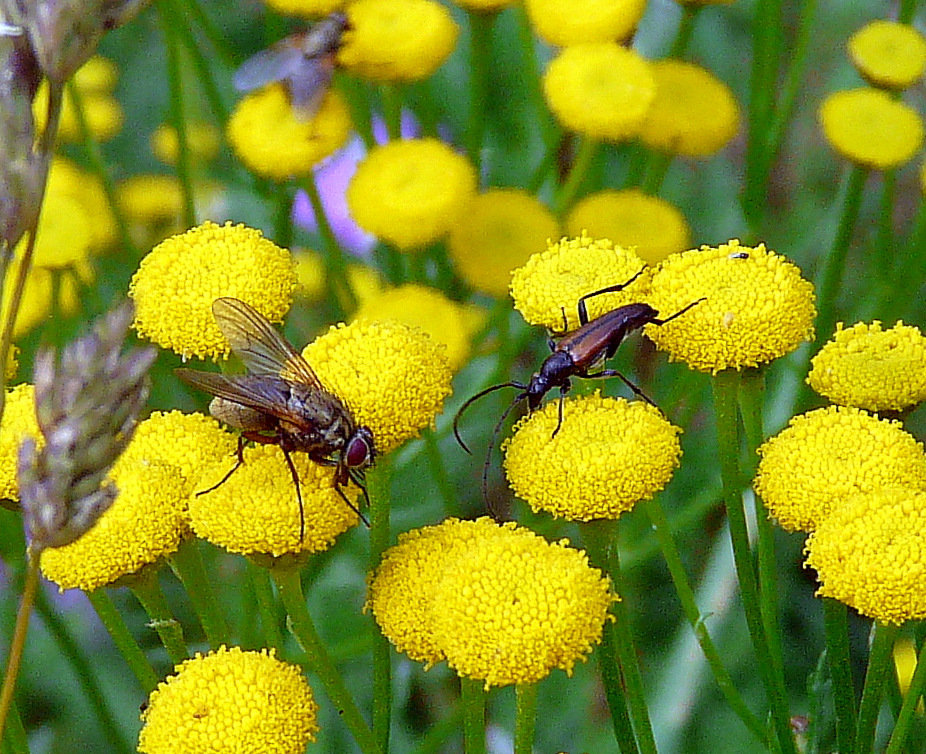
202, 140
427, 309
607, 455
600, 89
19, 423
37, 297
870, 553
65, 178
147, 521
757, 308
313, 281
498, 601
230, 701
497, 232
97, 76
872, 368
870, 128
822, 456
393, 378
398, 40
553, 281
64, 235
888, 53
150, 199
306, 8
189, 442
102, 113
694, 113
272, 140
569, 22
256, 510
176, 283
410, 193
485, 6
651, 226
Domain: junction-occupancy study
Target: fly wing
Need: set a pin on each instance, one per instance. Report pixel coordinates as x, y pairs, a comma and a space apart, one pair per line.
260, 347
308, 85
276, 63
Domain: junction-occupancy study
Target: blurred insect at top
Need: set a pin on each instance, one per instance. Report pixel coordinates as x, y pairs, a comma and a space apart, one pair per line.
303, 61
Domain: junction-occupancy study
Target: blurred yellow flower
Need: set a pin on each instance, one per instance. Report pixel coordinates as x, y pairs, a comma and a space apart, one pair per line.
176, 283
151, 198
497, 232
410, 193
19, 423
65, 178
269, 137
306, 8
821, 457
230, 701
757, 307
393, 378
871, 368
549, 285
608, 455
569, 22
870, 128
888, 53
694, 113
600, 89
398, 40
203, 141
485, 6
651, 226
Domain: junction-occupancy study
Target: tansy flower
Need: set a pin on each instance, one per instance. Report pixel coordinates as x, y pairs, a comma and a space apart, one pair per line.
176, 283
97, 76
230, 701
822, 456
189, 442
313, 282
393, 378
147, 521
411, 192
202, 140
870, 128
496, 233
872, 368
694, 113
870, 553
427, 309
600, 90
41, 285
607, 455
256, 509
647, 224
306, 8
888, 53
19, 422
399, 40
549, 286
64, 234
102, 113
569, 22
757, 307
149, 199
485, 6
499, 602
269, 137
65, 178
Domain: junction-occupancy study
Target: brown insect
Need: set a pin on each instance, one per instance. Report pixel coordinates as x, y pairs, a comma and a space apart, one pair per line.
281, 401
304, 62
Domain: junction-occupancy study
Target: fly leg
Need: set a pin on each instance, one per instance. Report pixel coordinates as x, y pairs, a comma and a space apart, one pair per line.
240, 455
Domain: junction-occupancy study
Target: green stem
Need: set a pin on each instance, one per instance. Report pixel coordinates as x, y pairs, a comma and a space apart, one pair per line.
266, 605
480, 55
473, 698
657, 165
880, 663
910, 703
119, 632
391, 96
840, 666
439, 470
187, 564
685, 31
14, 740
526, 718
147, 589
885, 251
289, 586
334, 258
686, 596
18, 642
588, 148
169, 24
379, 481
204, 65
726, 394
83, 670
598, 536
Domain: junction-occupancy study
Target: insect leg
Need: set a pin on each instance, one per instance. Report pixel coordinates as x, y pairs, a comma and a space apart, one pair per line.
240, 456
679, 313
583, 311
563, 389
350, 505
614, 373
292, 470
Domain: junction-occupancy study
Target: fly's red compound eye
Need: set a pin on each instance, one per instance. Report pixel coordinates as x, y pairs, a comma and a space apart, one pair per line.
358, 452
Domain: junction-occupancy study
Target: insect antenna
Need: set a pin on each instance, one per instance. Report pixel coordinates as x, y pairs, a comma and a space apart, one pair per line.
488, 462
472, 399
679, 313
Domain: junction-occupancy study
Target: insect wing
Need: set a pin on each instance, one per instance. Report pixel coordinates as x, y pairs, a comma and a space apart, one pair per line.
308, 85
275, 63
260, 347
